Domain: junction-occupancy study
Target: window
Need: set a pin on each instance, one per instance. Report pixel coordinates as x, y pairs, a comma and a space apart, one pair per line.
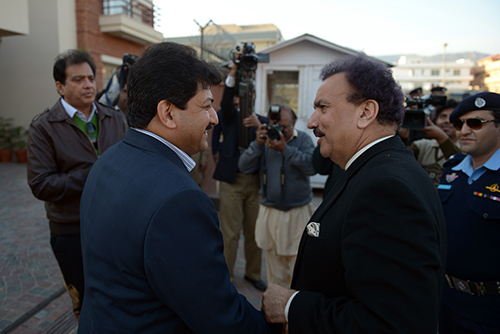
113, 7
282, 88
435, 73
138, 10
456, 72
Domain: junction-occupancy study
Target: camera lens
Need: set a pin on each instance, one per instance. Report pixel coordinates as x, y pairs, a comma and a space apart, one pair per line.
273, 134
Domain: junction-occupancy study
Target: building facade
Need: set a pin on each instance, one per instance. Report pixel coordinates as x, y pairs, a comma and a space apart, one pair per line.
219, 40
34, 32
490, 72
412, 72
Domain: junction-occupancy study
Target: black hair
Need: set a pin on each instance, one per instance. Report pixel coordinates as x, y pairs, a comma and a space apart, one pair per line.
165, 71
68, 58
370, 79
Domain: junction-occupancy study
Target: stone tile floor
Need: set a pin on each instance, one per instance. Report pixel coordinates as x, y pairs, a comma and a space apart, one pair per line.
29, 274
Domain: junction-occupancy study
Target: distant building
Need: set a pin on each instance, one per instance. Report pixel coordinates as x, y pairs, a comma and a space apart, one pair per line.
489, 72
219, 40
412, 72
34, 32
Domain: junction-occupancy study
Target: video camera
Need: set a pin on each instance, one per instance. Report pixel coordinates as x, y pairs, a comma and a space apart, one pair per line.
273, 130
416, 119
248, 58
245, 85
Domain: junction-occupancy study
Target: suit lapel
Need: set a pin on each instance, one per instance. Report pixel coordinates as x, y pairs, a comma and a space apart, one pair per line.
338, 189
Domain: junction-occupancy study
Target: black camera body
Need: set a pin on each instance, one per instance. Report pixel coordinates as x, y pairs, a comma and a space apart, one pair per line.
248, 59
273, 130
416, 119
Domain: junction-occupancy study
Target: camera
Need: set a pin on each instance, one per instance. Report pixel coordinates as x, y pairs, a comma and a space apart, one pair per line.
248, 58
416, 119
273, 130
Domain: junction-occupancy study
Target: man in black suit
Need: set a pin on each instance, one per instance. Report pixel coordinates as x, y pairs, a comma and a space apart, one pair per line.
371, 259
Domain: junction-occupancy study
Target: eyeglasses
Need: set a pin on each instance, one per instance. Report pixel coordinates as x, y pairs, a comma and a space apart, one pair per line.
473, 123
91, 130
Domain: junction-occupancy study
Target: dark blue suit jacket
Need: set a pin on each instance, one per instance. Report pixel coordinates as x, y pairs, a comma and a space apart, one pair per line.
152, 249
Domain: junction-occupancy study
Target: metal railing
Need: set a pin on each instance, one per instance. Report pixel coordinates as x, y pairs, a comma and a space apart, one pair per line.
135, 9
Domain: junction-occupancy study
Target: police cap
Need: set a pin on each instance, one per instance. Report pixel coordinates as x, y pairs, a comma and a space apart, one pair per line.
416, 91
481, 101
438, 89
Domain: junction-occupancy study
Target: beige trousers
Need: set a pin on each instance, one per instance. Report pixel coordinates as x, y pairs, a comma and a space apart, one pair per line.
239, 206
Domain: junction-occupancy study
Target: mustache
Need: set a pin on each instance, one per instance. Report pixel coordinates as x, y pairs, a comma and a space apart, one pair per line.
318, 132
209, 126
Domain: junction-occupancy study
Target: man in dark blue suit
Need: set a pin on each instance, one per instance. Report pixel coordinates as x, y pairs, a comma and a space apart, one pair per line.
152, 248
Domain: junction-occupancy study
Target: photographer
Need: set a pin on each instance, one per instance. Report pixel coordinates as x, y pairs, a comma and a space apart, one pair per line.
238, 192
115, 94
285, 164
440, 142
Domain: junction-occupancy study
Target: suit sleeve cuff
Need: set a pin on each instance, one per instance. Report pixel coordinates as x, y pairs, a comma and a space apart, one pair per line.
287, 307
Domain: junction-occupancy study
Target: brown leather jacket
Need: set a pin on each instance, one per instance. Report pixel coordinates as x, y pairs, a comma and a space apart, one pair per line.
60, 156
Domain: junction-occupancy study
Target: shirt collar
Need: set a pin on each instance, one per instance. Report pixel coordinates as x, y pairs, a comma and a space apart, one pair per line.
294, 135
188, 162
71, 111
363, 150
465, 165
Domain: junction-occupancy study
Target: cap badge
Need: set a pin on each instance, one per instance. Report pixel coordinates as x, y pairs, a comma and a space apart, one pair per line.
480, 102
493, 188
451, 177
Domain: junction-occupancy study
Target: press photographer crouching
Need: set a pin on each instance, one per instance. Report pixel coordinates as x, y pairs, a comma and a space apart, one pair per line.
283, 157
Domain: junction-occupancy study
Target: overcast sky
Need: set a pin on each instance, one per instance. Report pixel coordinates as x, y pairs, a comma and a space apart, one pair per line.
381, 27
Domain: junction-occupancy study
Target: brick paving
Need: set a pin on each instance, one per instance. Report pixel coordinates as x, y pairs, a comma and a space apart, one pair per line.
28, 270
29, 273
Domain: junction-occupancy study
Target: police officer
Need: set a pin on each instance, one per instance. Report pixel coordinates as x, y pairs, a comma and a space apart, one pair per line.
470, 194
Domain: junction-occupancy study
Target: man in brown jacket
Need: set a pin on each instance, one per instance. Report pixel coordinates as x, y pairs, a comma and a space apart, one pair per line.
63, 144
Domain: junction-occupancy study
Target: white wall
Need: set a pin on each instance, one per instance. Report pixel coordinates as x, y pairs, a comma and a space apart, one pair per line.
26, 85
308, 59
14, 17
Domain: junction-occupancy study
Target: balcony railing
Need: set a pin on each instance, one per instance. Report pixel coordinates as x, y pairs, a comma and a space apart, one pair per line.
142, 11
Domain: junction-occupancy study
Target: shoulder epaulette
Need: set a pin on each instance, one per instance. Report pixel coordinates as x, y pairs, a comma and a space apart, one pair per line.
454, 160
40, 114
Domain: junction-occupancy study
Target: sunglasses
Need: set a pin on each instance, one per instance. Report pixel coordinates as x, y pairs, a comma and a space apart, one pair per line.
473, 123
91, 130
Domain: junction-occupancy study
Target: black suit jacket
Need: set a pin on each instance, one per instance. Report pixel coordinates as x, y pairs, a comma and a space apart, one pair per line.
377, 265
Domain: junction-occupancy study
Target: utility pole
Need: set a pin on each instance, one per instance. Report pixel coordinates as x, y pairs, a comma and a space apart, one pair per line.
201, 39
444, 63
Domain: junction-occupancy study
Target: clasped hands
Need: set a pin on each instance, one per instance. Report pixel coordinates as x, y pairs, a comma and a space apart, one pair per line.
274, 301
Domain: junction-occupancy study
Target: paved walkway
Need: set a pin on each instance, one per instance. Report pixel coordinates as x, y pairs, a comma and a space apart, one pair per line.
29, 275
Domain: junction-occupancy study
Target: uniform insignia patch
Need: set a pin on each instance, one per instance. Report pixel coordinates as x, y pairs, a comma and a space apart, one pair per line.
493, 188
451, 177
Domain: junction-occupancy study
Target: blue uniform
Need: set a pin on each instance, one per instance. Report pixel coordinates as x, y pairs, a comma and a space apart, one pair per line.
471, 205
